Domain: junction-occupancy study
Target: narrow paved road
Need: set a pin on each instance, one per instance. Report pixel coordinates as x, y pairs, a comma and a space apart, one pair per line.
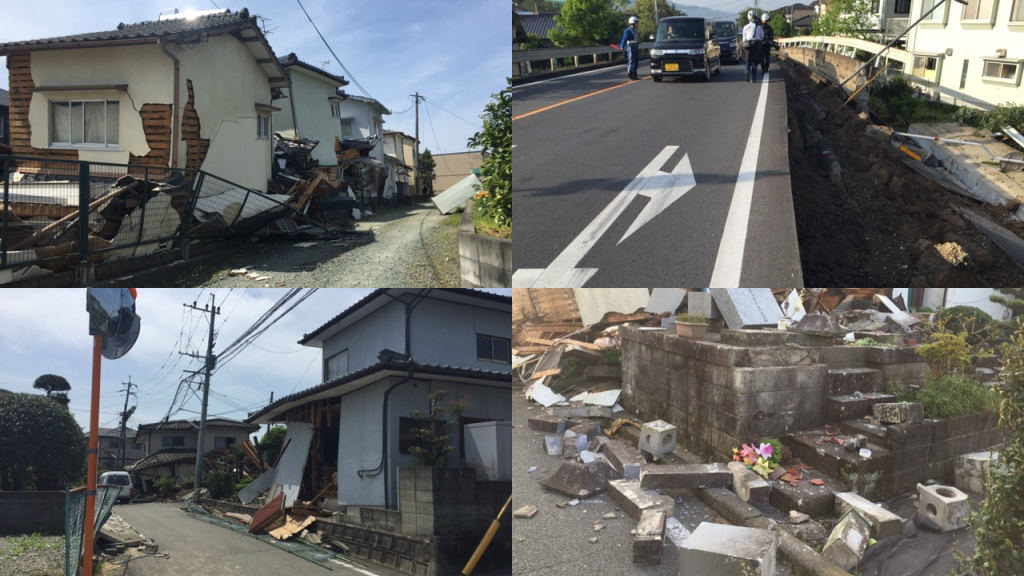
200, 548
652, 184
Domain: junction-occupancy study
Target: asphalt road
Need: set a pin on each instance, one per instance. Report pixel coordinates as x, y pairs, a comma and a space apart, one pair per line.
200, 548
724, 218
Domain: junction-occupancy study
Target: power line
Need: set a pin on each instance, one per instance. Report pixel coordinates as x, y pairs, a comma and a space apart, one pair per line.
436, 103
336, 59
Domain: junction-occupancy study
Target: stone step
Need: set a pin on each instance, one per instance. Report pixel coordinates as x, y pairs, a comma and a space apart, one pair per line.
851, 407
845, 381
869, 477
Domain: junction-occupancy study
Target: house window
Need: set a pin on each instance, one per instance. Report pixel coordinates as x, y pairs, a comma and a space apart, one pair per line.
925, 66
998, 70
406, 437
936, 16
1017, 14
263, 127
335, 109
223, 442
336, 365
112, 444
174, 441
463, 420
346, 129
902, 7
978, 10
138, 446
493, 349
85, 123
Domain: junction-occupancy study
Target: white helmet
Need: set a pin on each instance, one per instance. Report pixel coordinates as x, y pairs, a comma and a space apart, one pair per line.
750, 16
764, 17
633, 20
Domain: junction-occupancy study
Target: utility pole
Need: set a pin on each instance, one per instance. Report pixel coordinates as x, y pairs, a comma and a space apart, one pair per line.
211, 360
416, 149
125, 415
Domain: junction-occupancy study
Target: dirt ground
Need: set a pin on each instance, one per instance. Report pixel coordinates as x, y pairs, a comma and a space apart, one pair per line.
865, 218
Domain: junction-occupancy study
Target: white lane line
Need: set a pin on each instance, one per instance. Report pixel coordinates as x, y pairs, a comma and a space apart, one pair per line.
615, 69
729, 264
353, 567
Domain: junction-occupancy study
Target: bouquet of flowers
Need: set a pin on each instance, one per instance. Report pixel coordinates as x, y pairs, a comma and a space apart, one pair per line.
762, 458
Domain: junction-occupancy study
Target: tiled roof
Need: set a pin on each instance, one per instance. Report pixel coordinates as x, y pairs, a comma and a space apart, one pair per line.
194, 424
379, 293
537, 24
164, 457
181, 29
421, 371
293, 60
116, 432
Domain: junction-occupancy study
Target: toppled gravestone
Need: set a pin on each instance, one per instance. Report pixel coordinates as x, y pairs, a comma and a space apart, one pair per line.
883, 522
747, 307
748, 485
624, 457
848, 541
728, 551
633, 499
649, 538
818, 325
685, 476
581, 480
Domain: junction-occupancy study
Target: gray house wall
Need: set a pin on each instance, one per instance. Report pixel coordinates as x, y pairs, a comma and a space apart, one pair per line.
360, 434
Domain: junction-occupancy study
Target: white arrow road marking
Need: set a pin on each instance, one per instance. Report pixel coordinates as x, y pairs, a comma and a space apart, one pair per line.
729, 263
662, 187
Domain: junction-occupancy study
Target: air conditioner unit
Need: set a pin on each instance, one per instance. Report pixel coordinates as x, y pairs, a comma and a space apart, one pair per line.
1001, 52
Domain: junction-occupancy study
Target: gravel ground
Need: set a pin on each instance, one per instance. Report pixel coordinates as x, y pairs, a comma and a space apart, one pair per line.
32, 555
412, 246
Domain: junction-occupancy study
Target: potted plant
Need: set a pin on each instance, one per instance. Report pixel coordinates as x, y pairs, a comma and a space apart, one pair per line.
689, 326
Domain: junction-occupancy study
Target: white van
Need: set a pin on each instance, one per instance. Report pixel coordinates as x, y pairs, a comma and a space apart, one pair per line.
122, 479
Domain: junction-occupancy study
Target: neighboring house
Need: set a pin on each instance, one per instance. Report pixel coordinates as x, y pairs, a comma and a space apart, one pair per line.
109, 448
891, 19
400, 154
450, 169
5, 103
360, 152
381, 358
313, 107
935, 298
171, 446
185, 91
970, 54
538, 25
801, 16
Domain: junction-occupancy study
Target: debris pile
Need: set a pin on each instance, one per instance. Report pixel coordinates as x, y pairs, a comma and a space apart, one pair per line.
328, 205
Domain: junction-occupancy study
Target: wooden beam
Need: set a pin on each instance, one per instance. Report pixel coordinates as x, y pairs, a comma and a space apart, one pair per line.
100, 88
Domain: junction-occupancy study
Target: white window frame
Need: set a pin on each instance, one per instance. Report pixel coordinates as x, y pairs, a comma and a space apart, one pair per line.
1015, 81
263, 127
1017, 14
346, 122
340, 368
492, 357
939, 18
84, 145
335, 109
982, 21
218, 440
936, 70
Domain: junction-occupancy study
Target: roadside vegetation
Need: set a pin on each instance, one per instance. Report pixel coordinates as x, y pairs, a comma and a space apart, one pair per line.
494, 200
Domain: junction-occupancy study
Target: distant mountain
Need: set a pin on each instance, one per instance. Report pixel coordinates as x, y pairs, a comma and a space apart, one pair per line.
705, 12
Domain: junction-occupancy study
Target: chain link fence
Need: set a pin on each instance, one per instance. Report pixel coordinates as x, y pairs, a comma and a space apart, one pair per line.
74, 522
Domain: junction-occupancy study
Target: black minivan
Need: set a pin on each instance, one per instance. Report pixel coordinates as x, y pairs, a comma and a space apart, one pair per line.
728, 40
685, 46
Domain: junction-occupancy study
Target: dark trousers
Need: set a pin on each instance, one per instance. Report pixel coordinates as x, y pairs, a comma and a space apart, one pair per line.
753, 57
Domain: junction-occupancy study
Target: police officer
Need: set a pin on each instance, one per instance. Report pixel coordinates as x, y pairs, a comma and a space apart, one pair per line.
631, 44
769, 39
753, 36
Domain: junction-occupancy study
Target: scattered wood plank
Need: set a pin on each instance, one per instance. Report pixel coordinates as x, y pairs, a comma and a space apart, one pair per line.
309, 192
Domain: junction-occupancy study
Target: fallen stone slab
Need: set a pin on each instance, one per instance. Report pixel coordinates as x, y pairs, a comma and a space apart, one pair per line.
117, 531
581, 480
899, 412
728, 505
525, 512
748, 485
747, 307
728, 551
579, 410
649, 538
685, 476
553, 445
633, 499
883, 522
546, 423
848, 541
945, 506
624, 457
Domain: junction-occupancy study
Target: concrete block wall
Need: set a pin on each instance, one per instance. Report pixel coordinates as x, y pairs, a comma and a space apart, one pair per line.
828, 65
719, 395
484, 261
30, 512
449, 502
380, 518
410, 555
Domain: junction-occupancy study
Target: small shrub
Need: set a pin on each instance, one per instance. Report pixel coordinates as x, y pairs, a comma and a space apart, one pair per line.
220, 484
245, 482
611, 357
952, 396
867, 342
965, 318
901, 390
166, 486
691, 319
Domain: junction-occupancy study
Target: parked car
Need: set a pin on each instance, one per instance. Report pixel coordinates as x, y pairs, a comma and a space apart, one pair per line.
122, 479
685, 46
728, 41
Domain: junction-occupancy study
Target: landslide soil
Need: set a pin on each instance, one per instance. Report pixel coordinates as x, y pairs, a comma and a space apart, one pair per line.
874, 219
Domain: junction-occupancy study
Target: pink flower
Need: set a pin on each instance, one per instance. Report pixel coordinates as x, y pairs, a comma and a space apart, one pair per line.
765, 451
747, 452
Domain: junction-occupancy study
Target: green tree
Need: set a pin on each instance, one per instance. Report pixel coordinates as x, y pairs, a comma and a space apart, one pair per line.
1012, 298
56, 387
847, 18
435, 431
589, 23
781, 26
427, 165
271, 443
999, 525
537, 5
648, 24
495, 141
42, 445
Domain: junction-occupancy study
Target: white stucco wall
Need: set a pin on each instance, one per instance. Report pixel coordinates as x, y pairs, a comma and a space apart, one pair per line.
227, 84
309, 95
971, 41
977, 297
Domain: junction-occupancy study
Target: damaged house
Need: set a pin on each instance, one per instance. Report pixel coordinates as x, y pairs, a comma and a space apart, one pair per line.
382, 357
360, 151
312, 110
400, 155
191, 91
171, 447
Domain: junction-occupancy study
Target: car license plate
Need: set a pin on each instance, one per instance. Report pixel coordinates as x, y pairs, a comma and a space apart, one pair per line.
671, 67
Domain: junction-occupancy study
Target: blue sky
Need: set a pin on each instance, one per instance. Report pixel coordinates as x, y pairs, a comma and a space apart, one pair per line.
47, 332
449, 50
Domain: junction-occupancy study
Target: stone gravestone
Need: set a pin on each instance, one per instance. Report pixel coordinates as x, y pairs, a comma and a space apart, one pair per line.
747, 307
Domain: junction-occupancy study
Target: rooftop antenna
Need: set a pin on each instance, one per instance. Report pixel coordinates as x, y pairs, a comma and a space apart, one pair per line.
324, 64
167, 12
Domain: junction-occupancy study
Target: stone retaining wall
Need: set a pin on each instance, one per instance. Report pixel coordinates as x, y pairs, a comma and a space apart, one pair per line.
31, 512
484, 261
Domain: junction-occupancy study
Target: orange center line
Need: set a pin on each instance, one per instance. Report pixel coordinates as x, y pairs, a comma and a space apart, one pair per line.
571, 100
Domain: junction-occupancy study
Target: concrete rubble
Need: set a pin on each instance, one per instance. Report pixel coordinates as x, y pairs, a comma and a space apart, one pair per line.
581, 480
944, 506
848, 541
883, 522
649, 537
728, 551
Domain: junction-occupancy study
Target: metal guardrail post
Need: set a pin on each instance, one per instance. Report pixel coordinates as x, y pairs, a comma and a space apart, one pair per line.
6, 207
83, 210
